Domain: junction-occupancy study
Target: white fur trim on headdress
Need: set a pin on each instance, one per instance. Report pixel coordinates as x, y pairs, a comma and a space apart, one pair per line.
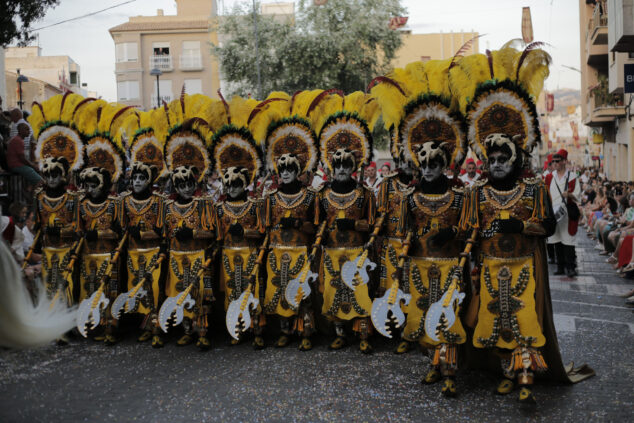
118, 162
66, 132
507, 99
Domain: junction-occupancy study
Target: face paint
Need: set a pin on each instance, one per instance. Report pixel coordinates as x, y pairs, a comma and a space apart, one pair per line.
185, 189
343, 172
407, 167
500, 165
92, 189
235, 189
139, 182
431, 170
53, 179
288, 175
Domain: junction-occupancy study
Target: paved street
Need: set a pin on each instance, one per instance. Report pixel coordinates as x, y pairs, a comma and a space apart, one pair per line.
130, 382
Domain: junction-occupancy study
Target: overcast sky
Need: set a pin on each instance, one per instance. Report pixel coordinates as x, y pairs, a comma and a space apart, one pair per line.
556, 22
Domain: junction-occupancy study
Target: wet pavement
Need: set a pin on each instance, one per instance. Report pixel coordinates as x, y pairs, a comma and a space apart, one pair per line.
88, 382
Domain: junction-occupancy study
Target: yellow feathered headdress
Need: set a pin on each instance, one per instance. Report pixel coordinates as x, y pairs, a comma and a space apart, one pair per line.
417, 109
497, 91
237, 145
189, 134
290, 138
55, 131
345, 125
146, 133
98, 123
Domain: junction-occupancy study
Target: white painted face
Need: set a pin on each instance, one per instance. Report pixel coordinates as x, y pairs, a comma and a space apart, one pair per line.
185, 188
140, 182
343, 171
93, 189
431, 170
288, 175
54, 179
235, 189
500, 165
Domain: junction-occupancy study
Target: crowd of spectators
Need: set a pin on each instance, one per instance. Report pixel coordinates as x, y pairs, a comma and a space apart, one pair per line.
607, 209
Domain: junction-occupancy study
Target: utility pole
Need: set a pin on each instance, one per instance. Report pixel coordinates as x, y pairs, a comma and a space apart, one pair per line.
257, 52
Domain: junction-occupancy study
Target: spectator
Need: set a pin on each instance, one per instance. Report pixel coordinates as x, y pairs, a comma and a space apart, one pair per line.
372, 180
385, 169
564, 192
17, 161
471, 175
214, 186
16, 119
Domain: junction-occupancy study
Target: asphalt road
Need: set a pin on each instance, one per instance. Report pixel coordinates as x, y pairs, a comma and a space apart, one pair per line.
88, 382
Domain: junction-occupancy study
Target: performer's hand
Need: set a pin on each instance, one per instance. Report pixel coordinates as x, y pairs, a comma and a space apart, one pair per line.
510, 226
92, 235
443, 236
52, 231
289, 222
345, 224
184, 234
361, 225
135, 232
236, 229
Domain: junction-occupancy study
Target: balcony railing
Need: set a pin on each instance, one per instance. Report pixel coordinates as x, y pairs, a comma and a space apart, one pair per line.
164, 98
598, 19
607, 100
162, 62
191, 63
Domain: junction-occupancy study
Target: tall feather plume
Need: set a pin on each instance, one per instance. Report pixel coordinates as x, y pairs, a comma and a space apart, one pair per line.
274, 108
462, 50
391, 98
37, 118
80, 105
216, 115
302, 101
240, 109
505, 63
52, 108
414, 78
438, 76
87, 117
464, 78
532, 68
370, 111
490, 59
326, 104
69, 105
227, 109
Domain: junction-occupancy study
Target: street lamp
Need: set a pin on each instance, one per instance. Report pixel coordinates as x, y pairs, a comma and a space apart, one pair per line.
157, 72
21, 79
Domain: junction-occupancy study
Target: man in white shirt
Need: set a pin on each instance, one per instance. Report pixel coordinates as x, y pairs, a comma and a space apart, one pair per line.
372, 180
564, 188
471, 175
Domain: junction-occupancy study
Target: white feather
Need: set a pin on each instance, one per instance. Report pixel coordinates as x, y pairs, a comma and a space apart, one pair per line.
23, 325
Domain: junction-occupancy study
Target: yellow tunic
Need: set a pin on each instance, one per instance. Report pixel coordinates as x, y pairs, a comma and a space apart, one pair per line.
507, 317
340, 302
289, 252
143, 254
61, 213
96, 254
239, 253
188, 257
432, 268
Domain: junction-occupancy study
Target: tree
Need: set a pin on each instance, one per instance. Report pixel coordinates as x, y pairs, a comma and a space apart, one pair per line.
16, 17
343, 44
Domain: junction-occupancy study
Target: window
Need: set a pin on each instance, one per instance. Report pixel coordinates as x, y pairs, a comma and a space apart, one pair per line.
73, 78
161, 49
126, 52
127, 90
165, 86
191, 48
193, 86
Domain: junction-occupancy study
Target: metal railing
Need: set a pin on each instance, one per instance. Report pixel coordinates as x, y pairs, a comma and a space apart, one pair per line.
191, 62
598, 19
162, 62
164, 98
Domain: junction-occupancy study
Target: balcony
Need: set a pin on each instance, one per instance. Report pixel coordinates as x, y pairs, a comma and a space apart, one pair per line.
621, 28
164, 98
603, 108
191, 63
162, 62
598, 27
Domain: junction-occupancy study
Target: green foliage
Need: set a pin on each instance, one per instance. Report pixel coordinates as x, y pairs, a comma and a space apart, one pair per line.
343, 44
16, 19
